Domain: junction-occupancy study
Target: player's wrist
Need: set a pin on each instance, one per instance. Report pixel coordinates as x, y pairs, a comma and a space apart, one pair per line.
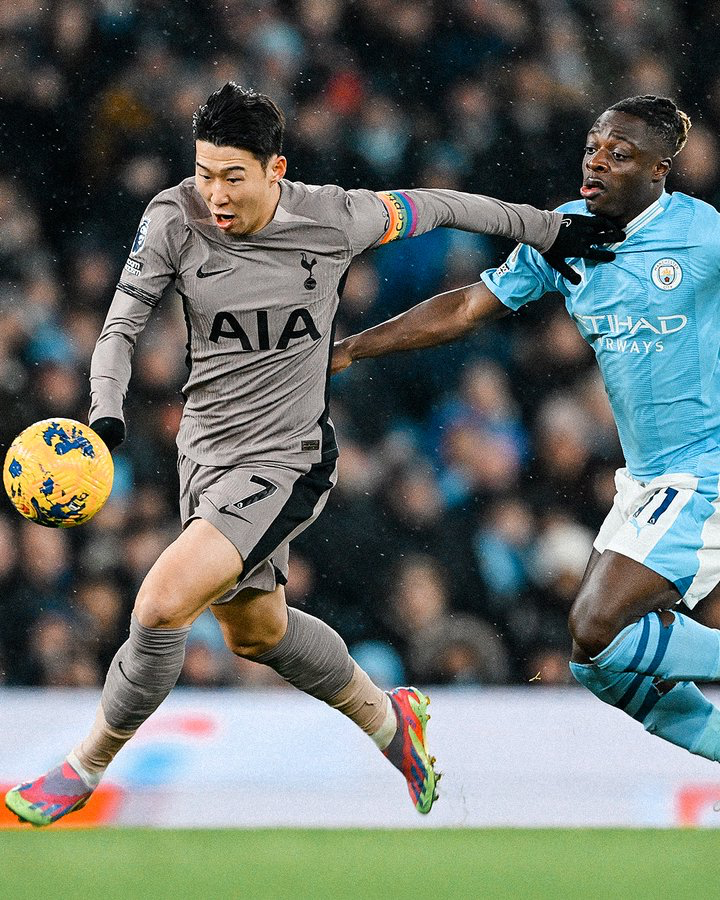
553, 230
110, 430
350, 346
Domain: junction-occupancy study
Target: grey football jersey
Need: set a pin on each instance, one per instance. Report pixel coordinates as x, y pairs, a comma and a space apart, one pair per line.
260, 308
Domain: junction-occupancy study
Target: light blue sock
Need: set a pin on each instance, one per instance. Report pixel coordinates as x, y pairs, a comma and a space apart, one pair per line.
684, 650
683, 715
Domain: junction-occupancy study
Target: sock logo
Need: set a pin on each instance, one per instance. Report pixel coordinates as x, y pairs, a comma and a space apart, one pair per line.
122, 672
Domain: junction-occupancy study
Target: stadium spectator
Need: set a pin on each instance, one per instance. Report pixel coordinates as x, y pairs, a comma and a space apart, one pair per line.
442, 646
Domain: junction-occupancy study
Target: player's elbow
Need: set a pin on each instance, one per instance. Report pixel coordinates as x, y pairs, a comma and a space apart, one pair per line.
470, 313
479, 305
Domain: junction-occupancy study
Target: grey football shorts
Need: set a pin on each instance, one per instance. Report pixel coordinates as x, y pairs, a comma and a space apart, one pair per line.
259, 507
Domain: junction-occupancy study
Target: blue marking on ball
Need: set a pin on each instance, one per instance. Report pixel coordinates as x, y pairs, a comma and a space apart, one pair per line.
15, 468
56, 513
73, 441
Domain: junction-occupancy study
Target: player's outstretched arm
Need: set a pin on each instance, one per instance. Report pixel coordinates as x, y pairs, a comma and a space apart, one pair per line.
373, 219
439, 320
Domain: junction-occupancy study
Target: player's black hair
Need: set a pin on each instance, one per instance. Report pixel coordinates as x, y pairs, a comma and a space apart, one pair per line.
662, 115
234, 116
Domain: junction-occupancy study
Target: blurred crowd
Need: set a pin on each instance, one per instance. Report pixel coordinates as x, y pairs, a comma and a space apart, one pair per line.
473, 477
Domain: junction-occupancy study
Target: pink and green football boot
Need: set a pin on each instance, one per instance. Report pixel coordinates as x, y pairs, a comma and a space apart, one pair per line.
407, 750
49, 797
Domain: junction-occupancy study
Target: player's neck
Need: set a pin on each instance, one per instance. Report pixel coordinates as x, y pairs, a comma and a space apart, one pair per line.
637, 208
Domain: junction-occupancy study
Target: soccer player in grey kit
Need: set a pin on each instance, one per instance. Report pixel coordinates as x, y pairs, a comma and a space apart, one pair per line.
259, 262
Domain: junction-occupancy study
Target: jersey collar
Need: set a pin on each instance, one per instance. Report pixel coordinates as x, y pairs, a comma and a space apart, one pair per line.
644, 218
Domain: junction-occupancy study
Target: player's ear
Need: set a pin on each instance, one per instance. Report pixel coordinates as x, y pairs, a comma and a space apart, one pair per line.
661, 169
278, 168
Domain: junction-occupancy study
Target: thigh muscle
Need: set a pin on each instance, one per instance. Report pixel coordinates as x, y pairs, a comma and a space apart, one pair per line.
616, 592
198, 567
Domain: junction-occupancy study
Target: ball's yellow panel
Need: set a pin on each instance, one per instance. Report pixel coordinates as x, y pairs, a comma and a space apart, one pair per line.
58, 473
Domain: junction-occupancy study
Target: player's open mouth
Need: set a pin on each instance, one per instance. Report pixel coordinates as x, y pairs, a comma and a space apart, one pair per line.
591, 188
223, 221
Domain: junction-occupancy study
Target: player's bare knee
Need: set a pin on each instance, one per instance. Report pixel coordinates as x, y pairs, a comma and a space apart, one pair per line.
155, 608
252, 646
250, 650
591, 627
256, 638
254, 622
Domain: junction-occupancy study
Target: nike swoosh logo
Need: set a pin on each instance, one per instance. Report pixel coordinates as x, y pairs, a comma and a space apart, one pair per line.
228, 511
201, 274
125, 676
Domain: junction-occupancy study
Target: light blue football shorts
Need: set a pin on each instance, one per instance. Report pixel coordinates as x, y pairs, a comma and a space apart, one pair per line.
671, 525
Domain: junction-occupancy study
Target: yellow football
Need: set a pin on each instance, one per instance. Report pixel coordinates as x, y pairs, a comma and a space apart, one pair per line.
58, 473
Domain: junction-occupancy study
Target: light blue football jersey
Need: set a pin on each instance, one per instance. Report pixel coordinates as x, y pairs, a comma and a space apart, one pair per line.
653, 319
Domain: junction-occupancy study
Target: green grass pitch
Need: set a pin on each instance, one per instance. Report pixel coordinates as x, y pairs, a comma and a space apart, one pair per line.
314, 865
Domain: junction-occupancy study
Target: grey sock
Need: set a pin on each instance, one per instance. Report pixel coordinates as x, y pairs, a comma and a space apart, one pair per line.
311, 656
142, 674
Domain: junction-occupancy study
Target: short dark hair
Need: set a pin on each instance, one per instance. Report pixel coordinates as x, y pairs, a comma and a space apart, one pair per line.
668, 122
234, 116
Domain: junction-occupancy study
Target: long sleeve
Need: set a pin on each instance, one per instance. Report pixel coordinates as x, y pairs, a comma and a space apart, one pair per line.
150, 268
111, 363
377, 218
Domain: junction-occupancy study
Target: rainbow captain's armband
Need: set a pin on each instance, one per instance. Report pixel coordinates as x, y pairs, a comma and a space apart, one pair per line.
402, 215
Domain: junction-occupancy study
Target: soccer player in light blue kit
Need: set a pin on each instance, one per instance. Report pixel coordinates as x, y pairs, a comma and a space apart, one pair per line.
651, 317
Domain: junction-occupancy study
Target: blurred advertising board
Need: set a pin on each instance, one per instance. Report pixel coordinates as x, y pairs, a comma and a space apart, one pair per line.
530, 756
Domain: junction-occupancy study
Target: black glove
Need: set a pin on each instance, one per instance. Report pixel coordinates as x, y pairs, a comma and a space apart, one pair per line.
112, 431
577, 238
